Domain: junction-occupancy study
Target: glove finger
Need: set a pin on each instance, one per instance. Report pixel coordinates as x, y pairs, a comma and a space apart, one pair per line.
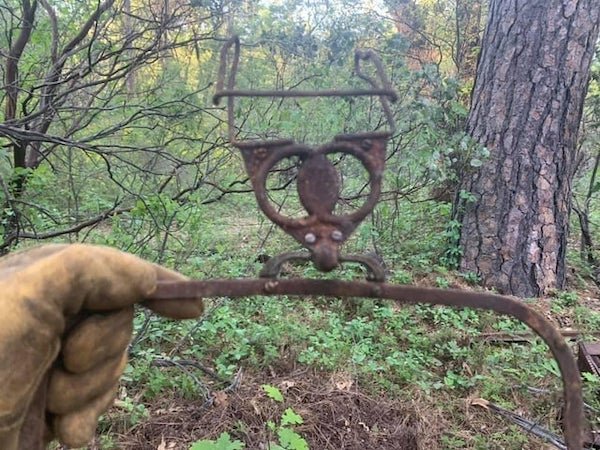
186, 308
97, 278
77, 428
68, 392
19, 259
96, 339
115, 279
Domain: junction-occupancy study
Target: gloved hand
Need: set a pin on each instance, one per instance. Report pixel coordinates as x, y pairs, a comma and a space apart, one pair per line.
66, 316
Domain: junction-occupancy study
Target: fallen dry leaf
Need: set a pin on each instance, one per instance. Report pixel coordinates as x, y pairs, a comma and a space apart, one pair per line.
286, 384
480, 402
221, 399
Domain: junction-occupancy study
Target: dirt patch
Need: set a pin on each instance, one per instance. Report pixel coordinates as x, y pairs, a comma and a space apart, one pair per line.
336, 416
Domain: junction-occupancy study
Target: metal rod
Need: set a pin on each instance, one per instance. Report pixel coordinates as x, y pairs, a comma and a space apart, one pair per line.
285, 94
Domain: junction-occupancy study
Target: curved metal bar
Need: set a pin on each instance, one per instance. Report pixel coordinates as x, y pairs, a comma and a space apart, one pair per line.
370, 55
573, 417
373, 161
272, 268
376, 272
259, 174
385, 92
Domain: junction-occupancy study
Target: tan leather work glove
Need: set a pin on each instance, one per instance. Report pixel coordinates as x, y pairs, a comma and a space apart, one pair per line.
66, 315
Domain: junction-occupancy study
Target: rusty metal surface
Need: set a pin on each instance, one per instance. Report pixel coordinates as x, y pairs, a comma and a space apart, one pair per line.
381, 88
272, 268
573, 418
321, 231
589, 357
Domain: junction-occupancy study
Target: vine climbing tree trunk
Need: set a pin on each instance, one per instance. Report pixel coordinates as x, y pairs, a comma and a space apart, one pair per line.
526, 107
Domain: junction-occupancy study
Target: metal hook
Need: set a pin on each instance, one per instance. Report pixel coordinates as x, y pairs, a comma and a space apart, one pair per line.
366, 55
385, 92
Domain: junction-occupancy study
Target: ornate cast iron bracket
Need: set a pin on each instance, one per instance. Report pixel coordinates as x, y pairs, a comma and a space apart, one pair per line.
322, 232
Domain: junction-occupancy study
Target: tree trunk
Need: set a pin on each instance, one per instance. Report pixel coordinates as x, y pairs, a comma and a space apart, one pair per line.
526, 108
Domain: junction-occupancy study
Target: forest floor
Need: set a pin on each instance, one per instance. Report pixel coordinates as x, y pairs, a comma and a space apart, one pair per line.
336, 415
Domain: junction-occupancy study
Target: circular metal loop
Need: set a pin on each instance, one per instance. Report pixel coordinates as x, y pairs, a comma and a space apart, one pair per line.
260, 184
306, 152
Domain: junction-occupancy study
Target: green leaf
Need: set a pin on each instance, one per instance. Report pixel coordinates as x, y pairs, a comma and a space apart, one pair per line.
273, 392
274, 446
476, 162
224, 442
291, 440
290, 417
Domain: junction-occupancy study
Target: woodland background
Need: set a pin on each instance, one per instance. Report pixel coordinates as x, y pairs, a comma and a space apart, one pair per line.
109, 136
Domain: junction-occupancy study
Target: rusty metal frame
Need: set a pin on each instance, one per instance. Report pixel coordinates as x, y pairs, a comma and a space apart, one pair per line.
322, 232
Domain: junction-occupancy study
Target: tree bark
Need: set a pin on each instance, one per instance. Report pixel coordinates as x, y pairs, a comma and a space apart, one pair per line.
527, 103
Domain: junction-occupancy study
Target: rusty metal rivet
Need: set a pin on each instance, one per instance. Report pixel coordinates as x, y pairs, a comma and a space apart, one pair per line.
337, 235
366, 144
270, 286
310, 238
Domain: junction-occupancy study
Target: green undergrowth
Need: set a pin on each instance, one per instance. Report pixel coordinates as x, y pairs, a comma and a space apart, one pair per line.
382, 345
